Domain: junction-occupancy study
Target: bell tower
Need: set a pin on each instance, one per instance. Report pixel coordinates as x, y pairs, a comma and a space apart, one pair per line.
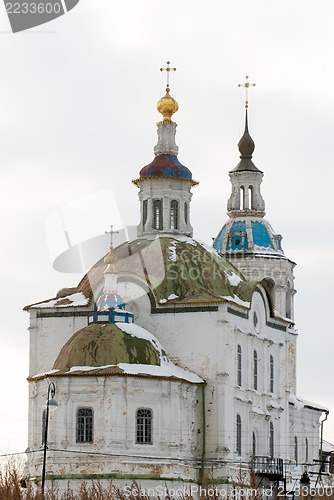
247, 238
165, 184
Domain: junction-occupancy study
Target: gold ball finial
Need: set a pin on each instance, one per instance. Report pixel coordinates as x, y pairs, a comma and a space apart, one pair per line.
167, 106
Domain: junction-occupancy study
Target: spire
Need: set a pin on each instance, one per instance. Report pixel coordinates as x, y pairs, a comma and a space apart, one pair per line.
246, 144
110, 277
246, 178
246, 147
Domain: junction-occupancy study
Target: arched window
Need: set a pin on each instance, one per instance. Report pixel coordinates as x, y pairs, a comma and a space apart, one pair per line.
157, 214
271, 374
271, 440
174, 214
144, 426
250, 197
84, 425
186, 212
242, 198
238, 435
253, 444
144, 212
255, 370
306, 449
239, 366
296, 450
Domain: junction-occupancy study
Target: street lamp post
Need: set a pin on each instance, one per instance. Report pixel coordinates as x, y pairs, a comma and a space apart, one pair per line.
51, 404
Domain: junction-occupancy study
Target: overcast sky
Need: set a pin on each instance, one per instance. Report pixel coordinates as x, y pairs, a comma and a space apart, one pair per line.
78, 116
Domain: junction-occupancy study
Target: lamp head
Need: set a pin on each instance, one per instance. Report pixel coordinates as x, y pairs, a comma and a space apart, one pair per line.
52, 404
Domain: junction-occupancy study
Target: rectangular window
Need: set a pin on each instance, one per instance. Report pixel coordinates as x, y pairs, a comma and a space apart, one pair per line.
157, 214
84, 425
144, 426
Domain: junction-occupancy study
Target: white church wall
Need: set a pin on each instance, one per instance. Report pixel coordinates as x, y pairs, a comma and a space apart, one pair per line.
176, 426
48, 335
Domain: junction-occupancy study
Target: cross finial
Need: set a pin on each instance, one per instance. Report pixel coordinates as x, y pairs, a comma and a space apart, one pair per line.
246, 85
168, 69
111, 232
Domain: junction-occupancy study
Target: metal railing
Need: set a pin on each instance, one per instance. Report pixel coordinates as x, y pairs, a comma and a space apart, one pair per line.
268, 466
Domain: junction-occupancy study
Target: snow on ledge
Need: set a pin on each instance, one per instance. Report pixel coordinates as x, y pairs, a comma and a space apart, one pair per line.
73, 300
300, 403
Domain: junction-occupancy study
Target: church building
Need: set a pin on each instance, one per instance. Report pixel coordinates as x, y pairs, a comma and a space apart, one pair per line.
173, 362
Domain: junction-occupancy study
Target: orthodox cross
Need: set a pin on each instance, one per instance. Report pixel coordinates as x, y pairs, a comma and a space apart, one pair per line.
246, 85
168, 69
111, 232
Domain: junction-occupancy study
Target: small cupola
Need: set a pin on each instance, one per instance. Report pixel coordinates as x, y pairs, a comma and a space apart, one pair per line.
165, 183
110, 307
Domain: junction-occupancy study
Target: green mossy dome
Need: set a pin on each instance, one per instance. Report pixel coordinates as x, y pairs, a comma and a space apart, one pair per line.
99, 345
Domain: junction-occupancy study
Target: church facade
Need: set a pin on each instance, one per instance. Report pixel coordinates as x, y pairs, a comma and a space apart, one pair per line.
174, 362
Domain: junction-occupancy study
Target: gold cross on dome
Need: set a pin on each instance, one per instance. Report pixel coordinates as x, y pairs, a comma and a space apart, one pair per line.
246, 86
168, 69
111, 232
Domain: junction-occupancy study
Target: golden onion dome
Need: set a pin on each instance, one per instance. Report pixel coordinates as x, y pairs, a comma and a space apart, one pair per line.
167, 106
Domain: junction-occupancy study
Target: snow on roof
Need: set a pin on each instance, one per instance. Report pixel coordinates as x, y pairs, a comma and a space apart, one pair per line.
260, 249
72, 300
237, 300
300, 403
139, 332
166, 369
233, 278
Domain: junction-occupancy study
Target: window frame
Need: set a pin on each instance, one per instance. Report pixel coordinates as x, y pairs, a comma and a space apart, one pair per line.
88, 425
174, 215
271, 374
158, 214
144, 426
